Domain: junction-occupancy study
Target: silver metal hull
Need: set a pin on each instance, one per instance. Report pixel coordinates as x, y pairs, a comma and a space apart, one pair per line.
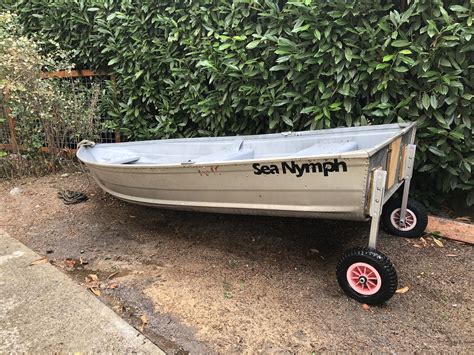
236, 189
334, 186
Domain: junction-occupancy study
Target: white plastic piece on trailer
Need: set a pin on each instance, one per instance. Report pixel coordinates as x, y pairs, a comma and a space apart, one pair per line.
379, 177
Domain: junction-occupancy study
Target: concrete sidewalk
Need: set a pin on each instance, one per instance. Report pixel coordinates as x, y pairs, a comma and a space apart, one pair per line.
42, 310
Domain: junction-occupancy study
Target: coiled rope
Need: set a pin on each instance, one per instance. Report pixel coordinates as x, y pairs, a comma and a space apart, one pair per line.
71, 197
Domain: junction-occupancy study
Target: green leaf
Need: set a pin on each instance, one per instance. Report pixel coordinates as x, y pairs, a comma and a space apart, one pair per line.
113, 61
443, 89
287, 120
452, 171
326, 112
335, 105
138, 74
317, 34
456, 135
458, 8
348, 104
467, 166
224, 46
401, 69
426, 101
321, 87
205, 64
300, 29
111, 16
348, 54
279, 67
426, 167
280, 103
400, 43
439, 117
388, 57
309, 109
444, 62
253, 44
240, 38
232, 66
407, 60
382, 66
436, 151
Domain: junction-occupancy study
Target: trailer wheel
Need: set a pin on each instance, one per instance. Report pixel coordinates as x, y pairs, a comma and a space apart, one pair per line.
367, 275
416, 218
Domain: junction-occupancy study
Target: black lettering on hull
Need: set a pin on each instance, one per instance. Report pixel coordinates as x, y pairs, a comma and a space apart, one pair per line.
299, 170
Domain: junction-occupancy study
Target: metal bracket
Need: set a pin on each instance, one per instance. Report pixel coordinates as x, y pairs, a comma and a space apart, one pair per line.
409, 161
189, 162
408, 164
377, 193
379, 177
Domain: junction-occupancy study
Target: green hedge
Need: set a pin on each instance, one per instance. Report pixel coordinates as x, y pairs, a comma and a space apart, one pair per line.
236, 67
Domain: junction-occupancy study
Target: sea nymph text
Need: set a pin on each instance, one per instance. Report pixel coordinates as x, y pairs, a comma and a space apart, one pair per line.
299, 169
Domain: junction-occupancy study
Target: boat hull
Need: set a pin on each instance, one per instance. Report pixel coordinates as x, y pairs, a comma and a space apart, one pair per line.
328, 188
275, 175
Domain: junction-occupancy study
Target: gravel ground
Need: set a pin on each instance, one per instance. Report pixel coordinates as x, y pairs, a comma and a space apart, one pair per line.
195, 282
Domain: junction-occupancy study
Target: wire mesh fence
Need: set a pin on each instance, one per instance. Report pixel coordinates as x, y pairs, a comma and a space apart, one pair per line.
82, 94
5, 138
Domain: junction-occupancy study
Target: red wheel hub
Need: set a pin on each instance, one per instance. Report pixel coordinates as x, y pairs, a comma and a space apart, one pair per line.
364, 279
410, 220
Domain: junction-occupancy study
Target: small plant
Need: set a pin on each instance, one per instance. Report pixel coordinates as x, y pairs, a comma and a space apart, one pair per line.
232, 263
227, 290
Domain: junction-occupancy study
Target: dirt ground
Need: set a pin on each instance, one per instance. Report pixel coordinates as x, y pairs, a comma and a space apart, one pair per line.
208, 283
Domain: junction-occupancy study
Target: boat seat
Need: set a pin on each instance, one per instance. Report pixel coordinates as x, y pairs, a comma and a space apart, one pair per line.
328, 148
225, 156
119, 159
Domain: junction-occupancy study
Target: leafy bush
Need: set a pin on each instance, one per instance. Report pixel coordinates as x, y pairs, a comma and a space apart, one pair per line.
251, 66
48, 112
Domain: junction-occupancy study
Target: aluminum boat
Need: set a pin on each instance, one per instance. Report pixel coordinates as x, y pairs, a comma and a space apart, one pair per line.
323, 174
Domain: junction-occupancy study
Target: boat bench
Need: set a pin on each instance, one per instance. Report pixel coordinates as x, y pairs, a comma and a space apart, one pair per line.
226, 156
328, 148
234, 152
120, 159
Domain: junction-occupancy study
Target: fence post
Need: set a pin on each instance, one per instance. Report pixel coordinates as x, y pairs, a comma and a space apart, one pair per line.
11, 121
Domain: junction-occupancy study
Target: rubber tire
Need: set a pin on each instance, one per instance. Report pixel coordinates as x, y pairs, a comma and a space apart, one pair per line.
417, 208
380, 262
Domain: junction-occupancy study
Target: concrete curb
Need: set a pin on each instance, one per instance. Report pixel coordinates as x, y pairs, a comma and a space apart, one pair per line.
42, 310
448, 228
